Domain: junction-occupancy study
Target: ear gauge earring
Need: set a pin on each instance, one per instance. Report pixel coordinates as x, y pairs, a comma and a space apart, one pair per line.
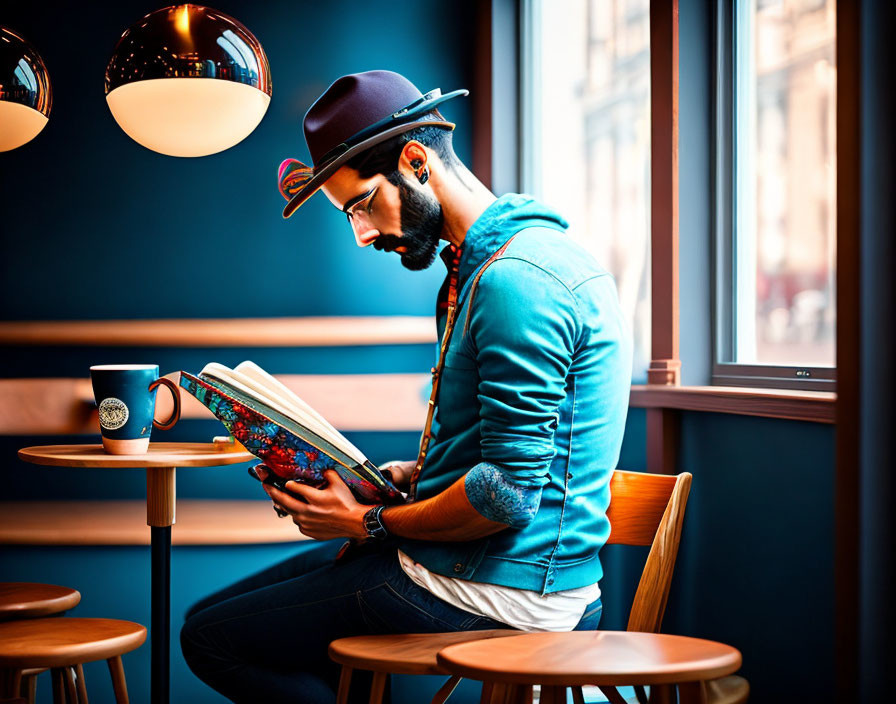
421, 174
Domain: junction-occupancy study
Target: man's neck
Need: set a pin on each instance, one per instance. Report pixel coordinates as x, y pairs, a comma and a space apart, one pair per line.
464, 198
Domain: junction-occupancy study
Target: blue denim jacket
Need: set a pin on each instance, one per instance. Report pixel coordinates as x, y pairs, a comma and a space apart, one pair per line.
537, 386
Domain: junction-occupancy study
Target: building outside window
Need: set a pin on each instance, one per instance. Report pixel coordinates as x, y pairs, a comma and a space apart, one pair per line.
778, 192
586, 135
586, 131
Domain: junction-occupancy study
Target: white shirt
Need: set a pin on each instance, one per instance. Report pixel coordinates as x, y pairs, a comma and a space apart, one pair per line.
520, 608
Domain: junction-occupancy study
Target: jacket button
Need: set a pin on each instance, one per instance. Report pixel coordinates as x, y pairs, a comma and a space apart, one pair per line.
458, 567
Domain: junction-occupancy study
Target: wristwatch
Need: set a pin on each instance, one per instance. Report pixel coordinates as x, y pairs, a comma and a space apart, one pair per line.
374, 525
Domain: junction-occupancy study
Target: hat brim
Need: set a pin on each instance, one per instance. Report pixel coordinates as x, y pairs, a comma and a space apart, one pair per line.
329, 168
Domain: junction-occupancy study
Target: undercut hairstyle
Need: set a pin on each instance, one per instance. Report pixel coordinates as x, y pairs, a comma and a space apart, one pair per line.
383, 158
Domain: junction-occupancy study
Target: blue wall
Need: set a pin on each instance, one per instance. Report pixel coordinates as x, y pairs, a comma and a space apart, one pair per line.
756, 563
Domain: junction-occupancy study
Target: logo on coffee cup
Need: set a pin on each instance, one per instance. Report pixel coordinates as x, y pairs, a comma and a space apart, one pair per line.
113, 414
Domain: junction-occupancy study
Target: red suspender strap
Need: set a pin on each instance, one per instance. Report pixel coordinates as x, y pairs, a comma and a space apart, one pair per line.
443, 350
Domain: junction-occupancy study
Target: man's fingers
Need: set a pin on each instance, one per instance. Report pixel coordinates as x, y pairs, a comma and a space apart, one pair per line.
302, 490
336, 481
285, 499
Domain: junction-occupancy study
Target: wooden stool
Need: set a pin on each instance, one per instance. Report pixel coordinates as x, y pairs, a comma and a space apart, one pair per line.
31, 600
509, 667
63, 644
399, 654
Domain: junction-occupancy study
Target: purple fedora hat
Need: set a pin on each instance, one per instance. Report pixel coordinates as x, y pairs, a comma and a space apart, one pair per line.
355, 113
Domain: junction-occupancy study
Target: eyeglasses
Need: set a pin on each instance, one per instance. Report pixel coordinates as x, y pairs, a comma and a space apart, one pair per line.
360, 213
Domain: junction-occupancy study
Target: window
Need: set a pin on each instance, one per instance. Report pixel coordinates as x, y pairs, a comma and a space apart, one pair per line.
586, 134
776, 194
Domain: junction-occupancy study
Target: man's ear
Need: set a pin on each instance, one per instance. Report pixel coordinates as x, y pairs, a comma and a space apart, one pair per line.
414, 158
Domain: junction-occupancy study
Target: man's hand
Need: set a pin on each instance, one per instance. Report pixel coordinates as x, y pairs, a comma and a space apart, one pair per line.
331, 512
401, 471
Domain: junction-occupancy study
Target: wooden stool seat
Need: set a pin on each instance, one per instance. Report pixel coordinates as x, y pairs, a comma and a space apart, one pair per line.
399, 654
604, 658
30, 600
615, 658
404, 653
63, 644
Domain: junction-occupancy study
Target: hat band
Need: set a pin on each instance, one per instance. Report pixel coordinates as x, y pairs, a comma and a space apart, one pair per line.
407, 112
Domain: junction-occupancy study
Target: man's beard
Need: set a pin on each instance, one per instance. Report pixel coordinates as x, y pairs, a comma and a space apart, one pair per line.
421, 226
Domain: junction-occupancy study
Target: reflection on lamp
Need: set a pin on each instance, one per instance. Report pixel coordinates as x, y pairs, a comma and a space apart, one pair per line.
25, 95
187, 80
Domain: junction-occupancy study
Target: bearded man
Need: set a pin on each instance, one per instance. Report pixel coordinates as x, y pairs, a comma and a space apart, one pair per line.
507, 500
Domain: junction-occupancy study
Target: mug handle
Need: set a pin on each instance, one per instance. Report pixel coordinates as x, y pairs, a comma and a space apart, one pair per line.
175, 414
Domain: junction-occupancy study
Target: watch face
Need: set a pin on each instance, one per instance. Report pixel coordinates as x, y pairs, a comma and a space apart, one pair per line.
373, 525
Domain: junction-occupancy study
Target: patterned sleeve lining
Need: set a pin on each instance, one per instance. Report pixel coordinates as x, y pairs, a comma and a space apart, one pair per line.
495, 497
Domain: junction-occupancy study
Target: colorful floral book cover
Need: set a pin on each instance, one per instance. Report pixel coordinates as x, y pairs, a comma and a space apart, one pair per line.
264, 420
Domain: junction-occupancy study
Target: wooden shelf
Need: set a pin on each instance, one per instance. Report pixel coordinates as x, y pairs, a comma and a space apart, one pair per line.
351, 402
224, 332
198, 522
815, 406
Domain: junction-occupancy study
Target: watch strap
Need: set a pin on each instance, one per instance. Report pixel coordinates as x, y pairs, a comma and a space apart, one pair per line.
374, 525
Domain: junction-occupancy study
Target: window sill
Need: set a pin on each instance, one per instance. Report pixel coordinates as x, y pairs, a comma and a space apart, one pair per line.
814, 406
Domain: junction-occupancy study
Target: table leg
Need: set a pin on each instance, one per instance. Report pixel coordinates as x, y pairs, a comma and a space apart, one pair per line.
160, 500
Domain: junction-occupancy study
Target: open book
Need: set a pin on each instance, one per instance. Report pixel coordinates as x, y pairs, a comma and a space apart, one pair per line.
292, 439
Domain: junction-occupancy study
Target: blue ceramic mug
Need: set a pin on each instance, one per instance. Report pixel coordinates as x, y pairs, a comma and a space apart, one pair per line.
126, 398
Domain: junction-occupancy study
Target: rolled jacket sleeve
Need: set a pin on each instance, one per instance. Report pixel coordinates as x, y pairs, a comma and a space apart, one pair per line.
523, 328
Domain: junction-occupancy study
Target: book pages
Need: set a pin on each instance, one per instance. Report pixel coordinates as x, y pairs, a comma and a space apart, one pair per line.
258, 384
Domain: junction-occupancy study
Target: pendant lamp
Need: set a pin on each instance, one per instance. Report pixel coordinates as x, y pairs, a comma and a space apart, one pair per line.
188, 80
25, 95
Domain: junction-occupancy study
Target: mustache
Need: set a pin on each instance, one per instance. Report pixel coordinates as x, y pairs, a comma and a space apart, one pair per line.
387, 243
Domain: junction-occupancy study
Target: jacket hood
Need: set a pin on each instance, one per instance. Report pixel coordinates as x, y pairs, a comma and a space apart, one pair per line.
501, 220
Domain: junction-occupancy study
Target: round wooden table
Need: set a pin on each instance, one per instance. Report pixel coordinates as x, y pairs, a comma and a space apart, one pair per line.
610, 658
160, 462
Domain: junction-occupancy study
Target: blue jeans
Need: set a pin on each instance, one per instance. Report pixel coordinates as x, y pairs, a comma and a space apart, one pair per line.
265, 638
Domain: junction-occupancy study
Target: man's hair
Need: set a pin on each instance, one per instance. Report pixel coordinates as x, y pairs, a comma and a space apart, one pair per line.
383, 158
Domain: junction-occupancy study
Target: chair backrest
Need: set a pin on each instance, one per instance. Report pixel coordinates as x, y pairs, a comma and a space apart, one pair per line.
648, 509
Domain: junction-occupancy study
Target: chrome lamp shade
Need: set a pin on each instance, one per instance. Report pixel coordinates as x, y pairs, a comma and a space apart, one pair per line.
25, 94
188, 80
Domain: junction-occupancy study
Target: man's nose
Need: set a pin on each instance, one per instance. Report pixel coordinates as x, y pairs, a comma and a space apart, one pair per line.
365, 237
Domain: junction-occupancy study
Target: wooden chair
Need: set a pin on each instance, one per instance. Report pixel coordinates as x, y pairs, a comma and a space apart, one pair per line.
645, 509
63, 645
34, 600
648, 509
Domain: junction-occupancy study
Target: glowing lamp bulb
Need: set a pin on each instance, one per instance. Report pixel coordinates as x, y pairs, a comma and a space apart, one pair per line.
187, 80
25, 94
